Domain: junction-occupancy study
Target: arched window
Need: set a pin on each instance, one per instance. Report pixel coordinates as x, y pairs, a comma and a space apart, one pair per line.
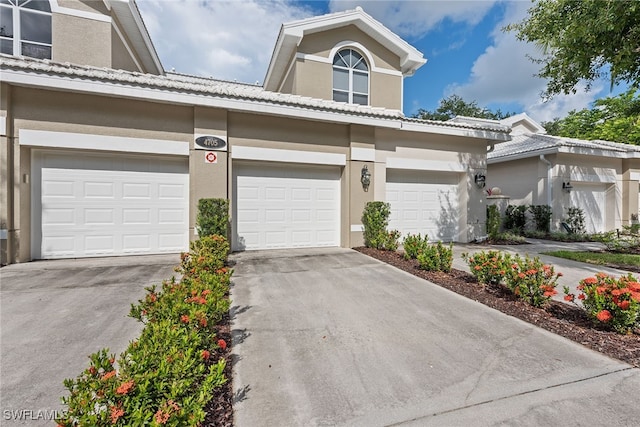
350, 78
25, 28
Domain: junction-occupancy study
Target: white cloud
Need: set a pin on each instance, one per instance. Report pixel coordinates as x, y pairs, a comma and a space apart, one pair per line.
414, 19
504, 74
221, 39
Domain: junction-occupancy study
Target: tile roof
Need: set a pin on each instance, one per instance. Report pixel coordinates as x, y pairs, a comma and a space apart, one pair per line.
181, 83
536, 143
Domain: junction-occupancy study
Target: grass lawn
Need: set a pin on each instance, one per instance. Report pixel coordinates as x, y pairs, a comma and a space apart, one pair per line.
599, 258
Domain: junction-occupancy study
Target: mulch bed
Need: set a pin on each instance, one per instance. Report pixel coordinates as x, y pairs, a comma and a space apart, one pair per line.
220, 408
562, 319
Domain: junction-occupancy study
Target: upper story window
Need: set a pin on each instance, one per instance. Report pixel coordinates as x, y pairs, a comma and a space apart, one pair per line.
350, 78
25, 28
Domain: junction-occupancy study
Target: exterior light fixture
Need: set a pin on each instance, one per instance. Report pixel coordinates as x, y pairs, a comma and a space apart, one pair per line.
566, 186
365, 178
480, 180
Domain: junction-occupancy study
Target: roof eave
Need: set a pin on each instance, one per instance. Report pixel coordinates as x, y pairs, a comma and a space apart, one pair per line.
129, 16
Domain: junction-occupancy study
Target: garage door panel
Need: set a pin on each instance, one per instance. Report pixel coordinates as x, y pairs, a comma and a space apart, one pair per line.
423, 202
98, 211
591, 199
286, 206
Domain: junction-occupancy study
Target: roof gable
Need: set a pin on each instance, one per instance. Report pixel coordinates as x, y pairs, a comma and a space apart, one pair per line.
522, 123
292, 33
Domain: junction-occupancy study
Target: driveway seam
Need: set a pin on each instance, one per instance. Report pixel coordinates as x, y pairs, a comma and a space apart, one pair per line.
523, 393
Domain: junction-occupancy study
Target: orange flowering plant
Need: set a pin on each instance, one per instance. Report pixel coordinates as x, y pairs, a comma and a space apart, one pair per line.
489, 268
610, 302
170, 373
531, 280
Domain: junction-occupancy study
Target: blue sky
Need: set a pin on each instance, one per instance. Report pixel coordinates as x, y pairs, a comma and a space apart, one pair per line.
466, 51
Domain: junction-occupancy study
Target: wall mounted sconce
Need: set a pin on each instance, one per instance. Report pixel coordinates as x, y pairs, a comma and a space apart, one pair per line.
566, 186
365, 178
480, 180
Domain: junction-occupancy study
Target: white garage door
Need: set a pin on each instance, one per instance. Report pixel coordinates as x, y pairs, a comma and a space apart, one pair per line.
424, 202
103, 205
286, 206
591, 199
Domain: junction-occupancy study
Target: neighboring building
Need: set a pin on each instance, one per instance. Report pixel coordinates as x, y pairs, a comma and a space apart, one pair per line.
99, 153
600, 177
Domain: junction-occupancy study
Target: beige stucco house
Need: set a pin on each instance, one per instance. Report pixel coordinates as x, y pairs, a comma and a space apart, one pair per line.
600, 177
104, 153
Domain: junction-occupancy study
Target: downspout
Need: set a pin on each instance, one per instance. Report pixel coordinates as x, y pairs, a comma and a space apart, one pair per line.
549, 186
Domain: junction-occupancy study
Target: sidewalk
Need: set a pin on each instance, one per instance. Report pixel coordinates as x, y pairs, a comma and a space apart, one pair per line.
573, 271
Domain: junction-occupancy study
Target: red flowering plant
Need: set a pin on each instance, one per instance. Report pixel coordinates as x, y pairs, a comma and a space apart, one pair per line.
177, 355
610, 302
531, 280
489, 268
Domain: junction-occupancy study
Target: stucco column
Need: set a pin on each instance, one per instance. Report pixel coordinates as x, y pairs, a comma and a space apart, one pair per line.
630, 190
361, 154
209, 168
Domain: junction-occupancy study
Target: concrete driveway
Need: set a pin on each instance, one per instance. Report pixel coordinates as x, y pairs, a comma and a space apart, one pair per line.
53, 314
332, 337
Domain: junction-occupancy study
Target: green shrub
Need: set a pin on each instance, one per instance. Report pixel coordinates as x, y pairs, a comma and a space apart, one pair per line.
541, 217
436, 257
535, 234
213, 217
493, 221
610, 302
575, 220
510, 238
391, 240
375, 220
531, 280
414, 244
489, 268
515, 218
616, 242
170, 373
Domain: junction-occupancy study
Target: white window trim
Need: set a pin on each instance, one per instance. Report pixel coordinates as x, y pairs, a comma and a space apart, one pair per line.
323, 60
17, 30
351, 71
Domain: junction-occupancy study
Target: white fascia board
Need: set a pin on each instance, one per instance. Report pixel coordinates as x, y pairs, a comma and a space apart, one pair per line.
593, 152
129, 17
81, 141
239, 152
426, 165
363, 154
56, 8
285, 46
520, 156
456, 131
